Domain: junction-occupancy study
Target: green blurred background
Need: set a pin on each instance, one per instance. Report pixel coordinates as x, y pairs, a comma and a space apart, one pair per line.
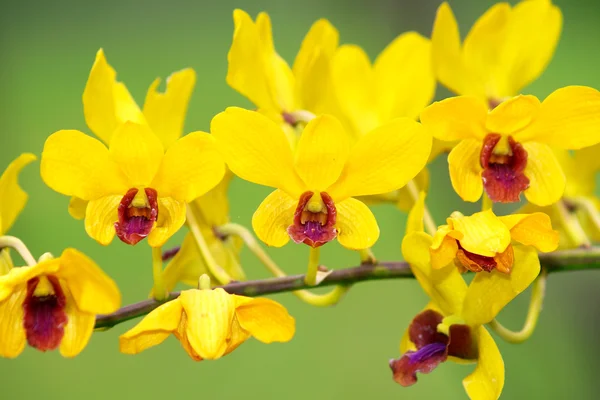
341, 352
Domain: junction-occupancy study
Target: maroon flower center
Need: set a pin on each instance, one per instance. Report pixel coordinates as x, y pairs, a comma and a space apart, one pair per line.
503, 174
314, 220
135, 223
44, 314
432, 346
474, 262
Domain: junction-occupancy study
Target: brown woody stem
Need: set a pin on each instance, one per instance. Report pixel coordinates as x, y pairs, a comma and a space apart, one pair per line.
564, 260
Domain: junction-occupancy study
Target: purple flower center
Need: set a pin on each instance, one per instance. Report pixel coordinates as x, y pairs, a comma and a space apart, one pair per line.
313, 228
426, 352
135, 223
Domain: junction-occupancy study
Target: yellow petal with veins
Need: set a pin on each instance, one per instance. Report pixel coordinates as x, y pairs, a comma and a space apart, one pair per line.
456, 118
447, 56
488, 293
547, 180
321, 153
93, 291
165, 112
404, 79
312, 66
106, 102
446, 287
465, 169
272, 218
265, 319
513, 114
100, 218
12, 333
171, 217
356, 225
191, 167
383, 160
153, 329
78, 329
480, 50
256, 149
483, 233
138, 153
75, 164
487, 380
531, 38
12, 197
210, 314
532, 230
567, 119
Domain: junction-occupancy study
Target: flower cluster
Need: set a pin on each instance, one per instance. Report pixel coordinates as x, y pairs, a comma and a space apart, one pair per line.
332, 134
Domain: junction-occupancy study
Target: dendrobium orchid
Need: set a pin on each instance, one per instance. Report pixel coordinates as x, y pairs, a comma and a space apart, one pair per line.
316, 182
53, 304
135, 188
107, 104
210, 323
284, 94
451, 326
482, 241
507, 151
506, 49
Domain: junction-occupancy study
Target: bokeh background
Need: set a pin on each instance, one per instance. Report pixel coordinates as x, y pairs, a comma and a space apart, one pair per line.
47, 49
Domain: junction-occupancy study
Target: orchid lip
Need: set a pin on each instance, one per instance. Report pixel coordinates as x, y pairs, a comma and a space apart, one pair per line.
135, 223
314, 228
503, 174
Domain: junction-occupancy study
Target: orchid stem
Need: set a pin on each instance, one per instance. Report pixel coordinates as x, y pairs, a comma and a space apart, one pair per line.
430, 225
573, 228
313, 266
559, 261
215, 269
486, 203
589, 208
538, 291
160, 292
19, 246
319, 300
367, 256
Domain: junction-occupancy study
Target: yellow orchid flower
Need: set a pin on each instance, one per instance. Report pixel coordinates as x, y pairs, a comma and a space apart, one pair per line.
507, 150
54, 304
482, 241
316, 182
107, 104
451, 327
400, 83
134, 188
12, 197
210, 324
260, 74
580, 168
212, 211
506, 49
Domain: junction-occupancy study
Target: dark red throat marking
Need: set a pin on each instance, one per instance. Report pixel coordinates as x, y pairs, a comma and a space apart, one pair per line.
136, 223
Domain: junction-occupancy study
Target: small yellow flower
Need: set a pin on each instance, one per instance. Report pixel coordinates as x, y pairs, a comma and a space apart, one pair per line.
451, 326
260, 74
134, 188
107, 104
482, 241
506, 49
212, 211
54, 304
316, 183
210, 324
507, 151
12, 197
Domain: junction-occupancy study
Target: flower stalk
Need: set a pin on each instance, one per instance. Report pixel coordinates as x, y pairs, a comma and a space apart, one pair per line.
19, 246
558, 261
